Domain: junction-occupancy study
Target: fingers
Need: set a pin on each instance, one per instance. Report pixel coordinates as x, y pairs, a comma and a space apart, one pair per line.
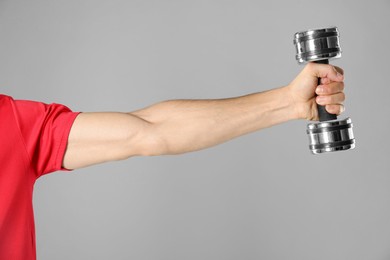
339, 70
331, 96
327, 73
334, 99
329, 89
335, 109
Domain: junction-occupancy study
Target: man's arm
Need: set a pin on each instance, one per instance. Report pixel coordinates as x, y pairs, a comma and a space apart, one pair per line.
179, 126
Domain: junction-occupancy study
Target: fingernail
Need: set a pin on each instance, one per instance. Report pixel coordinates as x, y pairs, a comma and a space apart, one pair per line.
320, 90
320, 100
339, 75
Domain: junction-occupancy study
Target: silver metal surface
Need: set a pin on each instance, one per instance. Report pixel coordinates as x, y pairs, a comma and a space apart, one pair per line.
331, 136
317, 44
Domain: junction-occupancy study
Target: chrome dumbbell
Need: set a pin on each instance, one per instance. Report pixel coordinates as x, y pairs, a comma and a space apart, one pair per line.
330, 134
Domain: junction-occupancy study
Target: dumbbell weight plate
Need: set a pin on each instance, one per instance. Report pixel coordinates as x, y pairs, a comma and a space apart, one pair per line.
317, 44
331, 136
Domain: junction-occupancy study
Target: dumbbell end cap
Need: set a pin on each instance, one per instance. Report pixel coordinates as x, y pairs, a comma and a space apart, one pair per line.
317, 44
331, 136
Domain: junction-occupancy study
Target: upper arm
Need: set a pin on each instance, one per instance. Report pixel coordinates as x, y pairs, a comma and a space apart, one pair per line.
101, 137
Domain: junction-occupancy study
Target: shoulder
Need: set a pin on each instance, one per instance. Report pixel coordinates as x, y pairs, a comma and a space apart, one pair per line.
5, 97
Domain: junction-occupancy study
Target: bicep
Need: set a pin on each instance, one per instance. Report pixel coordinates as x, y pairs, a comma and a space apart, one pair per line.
101, 137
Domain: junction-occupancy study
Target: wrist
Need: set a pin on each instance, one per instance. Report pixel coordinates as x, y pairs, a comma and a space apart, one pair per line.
276, 106
300, 109
294, 109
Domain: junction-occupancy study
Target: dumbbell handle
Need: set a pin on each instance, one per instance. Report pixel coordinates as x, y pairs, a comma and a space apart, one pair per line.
322, 113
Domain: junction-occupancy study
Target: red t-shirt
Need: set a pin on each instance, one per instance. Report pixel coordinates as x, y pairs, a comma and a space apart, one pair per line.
33, 139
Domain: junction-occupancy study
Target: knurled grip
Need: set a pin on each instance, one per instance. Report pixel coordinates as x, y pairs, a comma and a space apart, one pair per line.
322, 113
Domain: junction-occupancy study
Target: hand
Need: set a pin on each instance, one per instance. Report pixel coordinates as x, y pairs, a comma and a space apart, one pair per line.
304, 90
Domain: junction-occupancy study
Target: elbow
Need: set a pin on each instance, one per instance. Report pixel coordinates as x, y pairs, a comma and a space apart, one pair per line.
148, 142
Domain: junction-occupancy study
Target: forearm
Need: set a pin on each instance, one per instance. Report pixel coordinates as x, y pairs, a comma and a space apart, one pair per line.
189, 125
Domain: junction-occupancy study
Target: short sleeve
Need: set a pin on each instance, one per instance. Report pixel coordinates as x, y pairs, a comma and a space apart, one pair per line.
45, 130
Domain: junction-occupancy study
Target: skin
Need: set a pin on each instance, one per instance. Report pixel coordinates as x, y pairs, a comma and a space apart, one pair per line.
180, 126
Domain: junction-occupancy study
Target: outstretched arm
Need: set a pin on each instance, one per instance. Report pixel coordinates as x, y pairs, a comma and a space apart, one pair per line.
179, 126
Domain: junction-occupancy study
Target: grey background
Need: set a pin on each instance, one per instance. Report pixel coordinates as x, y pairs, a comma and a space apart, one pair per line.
262, 196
